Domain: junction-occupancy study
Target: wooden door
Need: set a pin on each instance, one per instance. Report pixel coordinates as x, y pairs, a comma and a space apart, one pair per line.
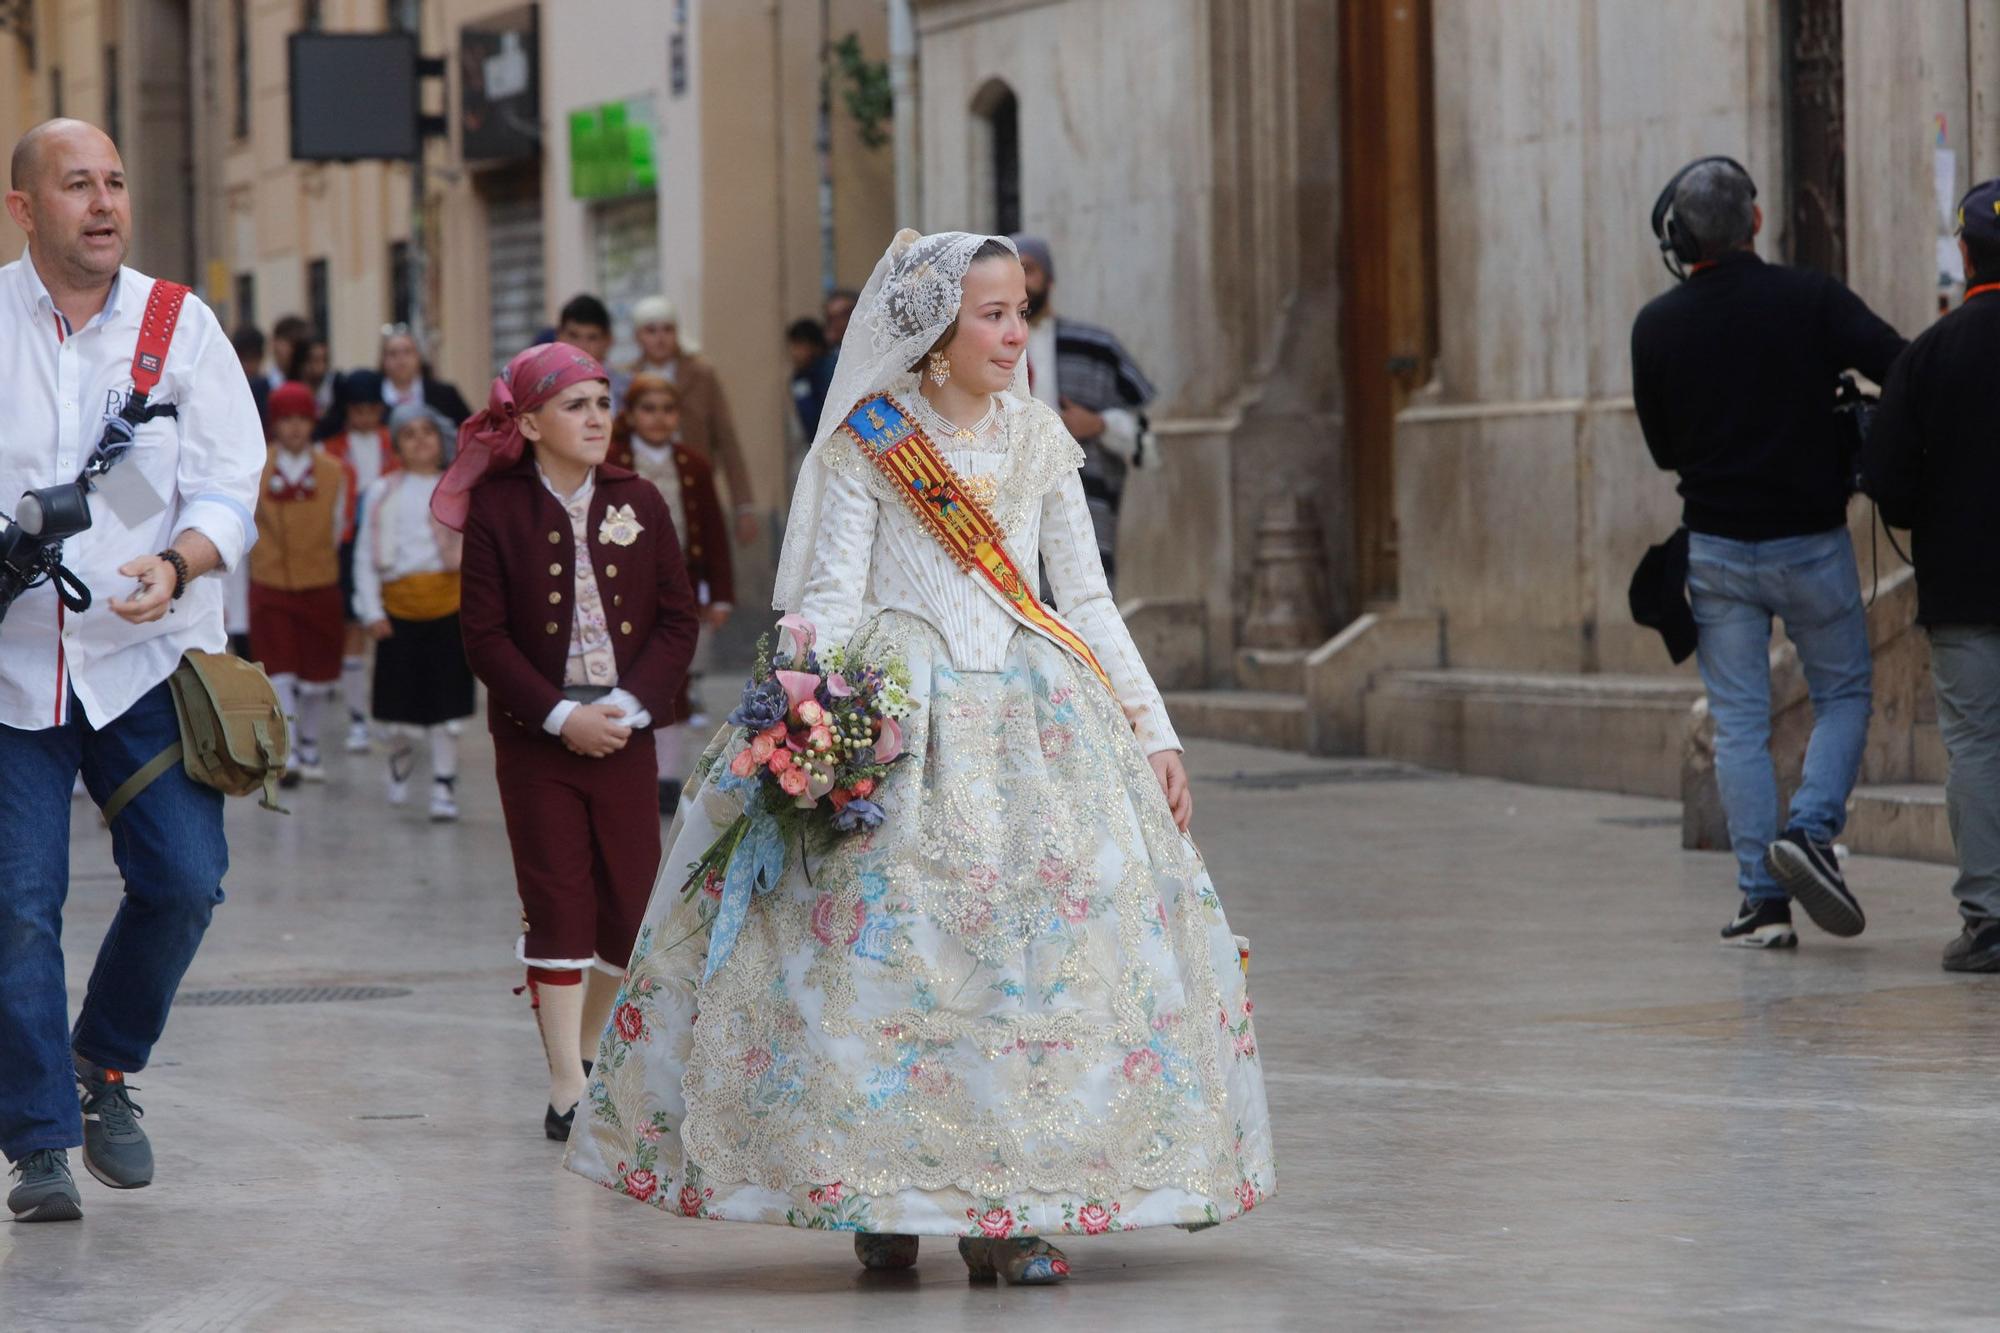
1388, 257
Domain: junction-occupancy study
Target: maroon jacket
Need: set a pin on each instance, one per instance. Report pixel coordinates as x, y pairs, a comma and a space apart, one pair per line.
706, 541
519, 595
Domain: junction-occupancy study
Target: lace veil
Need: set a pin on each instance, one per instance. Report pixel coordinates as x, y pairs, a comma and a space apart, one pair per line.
910, 300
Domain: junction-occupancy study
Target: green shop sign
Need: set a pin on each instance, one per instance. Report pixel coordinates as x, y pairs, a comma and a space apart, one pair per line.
611, 150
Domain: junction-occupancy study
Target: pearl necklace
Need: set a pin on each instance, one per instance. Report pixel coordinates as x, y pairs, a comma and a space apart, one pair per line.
953, 431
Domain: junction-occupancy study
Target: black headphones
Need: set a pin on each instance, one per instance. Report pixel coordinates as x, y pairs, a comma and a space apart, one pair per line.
1677, 248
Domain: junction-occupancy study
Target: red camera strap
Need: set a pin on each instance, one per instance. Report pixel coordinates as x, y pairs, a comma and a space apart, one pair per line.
156, 333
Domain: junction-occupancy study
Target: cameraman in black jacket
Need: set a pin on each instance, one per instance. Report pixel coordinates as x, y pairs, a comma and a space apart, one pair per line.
1932, 462
1733, 375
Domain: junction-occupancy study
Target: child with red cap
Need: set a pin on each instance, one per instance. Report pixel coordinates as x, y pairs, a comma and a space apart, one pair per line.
578, 616
297, 616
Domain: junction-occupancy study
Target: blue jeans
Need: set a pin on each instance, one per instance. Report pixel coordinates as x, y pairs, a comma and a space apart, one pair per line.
1810, 583
169, 847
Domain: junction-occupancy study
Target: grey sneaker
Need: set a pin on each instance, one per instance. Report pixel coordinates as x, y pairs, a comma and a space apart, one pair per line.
1977, 948
115, 1149
47, 1191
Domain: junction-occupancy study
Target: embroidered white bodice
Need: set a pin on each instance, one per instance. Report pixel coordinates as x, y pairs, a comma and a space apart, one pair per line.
873, 554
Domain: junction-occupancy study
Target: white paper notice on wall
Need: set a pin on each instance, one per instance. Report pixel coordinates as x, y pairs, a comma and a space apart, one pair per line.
1950, 264
1945, 178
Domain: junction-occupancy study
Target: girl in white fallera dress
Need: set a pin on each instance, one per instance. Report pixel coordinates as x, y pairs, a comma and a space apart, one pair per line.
406, 594
1014, 1010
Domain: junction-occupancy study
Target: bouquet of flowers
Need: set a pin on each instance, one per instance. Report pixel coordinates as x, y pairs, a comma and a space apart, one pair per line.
816, 738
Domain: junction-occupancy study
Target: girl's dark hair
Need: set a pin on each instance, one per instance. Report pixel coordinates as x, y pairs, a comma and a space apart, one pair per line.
993, 248
302, 349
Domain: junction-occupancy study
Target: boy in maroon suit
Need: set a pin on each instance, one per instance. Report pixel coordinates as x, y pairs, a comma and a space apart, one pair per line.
578, 616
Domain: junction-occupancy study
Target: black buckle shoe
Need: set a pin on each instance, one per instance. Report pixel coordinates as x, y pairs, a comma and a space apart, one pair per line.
1810, 872
556, 1126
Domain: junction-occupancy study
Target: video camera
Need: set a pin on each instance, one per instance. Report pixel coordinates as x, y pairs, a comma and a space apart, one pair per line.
31, 547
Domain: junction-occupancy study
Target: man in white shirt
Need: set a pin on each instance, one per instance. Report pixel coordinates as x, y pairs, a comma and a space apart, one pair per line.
83, 691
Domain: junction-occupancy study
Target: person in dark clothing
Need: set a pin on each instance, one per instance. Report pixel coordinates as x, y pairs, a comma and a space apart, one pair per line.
1930, 463
1733, 375
812, 373
248, 340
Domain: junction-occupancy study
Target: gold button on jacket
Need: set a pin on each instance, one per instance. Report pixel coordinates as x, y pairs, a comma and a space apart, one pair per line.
555, 599
624, 627
555, 539
550, 627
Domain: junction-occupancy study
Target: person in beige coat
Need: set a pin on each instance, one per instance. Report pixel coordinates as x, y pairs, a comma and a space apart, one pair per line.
707, 428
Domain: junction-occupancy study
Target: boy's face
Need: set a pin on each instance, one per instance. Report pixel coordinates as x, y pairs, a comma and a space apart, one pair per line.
803, 354
365, 417
656, 418
294, 434
588, 338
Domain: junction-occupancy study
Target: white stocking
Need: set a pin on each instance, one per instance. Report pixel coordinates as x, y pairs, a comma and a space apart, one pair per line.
354, 685
444, 754
600, 992
312, 698
561, 1016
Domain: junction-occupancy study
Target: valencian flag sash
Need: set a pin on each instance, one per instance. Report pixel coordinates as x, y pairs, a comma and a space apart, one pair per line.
893, 442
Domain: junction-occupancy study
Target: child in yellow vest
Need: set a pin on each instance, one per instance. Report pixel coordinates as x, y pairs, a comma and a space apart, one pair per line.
296, 613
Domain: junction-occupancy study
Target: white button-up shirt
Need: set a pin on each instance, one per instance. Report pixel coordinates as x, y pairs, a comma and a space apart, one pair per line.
58, 384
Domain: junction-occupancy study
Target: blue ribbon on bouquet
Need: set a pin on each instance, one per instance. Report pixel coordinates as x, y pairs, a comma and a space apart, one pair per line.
755, 868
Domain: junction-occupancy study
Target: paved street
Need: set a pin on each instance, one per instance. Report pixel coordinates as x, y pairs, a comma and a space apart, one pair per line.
1515, 1084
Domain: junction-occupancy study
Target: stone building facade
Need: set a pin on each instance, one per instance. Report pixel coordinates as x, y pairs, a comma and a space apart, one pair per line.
729, 227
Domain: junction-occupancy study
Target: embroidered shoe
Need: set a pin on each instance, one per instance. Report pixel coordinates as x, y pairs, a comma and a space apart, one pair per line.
46, 1191
881, 1250
1026, 1262
1977, 948
1810, 872
115, 1149
1762, 923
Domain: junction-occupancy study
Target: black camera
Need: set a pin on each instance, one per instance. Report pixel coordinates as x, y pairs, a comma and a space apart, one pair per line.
31, 546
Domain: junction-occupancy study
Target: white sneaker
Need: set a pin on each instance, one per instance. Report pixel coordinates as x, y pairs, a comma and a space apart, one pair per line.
358, 740
444, 805
312, 770
399, 790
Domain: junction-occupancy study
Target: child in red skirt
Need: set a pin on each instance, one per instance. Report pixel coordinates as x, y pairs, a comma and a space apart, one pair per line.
646, 439
578, 616
297, 617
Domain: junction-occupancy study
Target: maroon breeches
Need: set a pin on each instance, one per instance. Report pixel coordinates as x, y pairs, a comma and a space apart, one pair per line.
586, 840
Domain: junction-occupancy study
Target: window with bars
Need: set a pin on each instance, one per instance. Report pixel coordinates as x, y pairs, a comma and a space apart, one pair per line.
319, 298
114, 111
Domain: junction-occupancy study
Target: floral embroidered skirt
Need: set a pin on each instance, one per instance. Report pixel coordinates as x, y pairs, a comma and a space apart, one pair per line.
1013, 1009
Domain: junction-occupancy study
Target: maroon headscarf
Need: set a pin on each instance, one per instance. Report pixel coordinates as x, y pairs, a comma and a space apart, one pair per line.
491, 441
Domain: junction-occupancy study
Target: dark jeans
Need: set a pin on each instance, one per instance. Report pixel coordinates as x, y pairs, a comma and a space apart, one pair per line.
169, 847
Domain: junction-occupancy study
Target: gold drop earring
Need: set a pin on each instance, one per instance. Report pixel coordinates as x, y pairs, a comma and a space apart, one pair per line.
940, 371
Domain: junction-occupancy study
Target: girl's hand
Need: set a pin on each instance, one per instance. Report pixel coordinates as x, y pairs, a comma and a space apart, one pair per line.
593, 731
748, 525
1173, 778
715, 617
379, 630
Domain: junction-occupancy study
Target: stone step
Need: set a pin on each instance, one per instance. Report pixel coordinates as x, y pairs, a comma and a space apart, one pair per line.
1249, 717
1604, 732
1905, 820
1271, 669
